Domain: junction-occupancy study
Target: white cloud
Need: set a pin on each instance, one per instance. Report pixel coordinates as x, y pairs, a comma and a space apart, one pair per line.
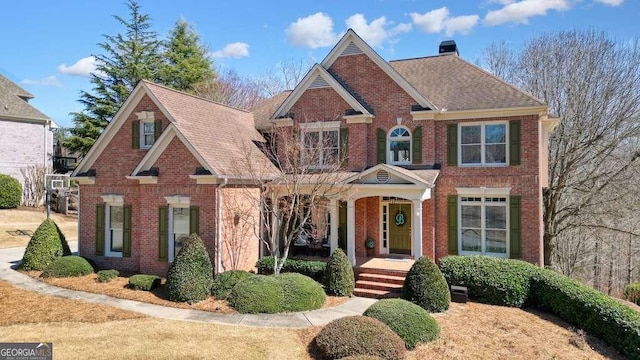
83, 67
521, 11
610, 2
313, 31
439, 20
234, 50
47, 81
377, 31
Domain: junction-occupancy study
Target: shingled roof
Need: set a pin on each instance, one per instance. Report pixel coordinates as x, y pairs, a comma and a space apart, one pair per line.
262, 111
14, 105
454, 84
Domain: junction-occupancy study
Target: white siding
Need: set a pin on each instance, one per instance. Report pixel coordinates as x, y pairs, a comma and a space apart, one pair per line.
22, 144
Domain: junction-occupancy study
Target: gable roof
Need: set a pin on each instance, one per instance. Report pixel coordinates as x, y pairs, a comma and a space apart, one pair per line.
14, 105
455, 84
262, 111
421, 177
221, 137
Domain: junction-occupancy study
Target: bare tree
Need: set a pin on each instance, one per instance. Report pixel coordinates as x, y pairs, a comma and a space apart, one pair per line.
284, 76
230, 89
34, 186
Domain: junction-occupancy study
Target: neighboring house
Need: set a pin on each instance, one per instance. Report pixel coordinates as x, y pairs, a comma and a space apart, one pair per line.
25, 133
166, 166
444, 157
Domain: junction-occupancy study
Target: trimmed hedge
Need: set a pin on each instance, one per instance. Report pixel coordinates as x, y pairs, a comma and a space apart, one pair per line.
276, 294
190, 275
144, 282
107, 275
45, 245
358, 336
312, 269
426, 287
224, 282
632, 293
411, 322
338, 275
10, 192
67, 266
490, 280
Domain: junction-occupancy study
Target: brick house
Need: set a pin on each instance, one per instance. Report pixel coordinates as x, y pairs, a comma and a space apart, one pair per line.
442, 157
166, 167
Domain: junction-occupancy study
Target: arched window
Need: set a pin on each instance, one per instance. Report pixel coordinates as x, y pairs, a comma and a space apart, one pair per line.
399, 146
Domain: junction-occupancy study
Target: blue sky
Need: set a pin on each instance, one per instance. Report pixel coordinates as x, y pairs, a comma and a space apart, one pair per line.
46, 45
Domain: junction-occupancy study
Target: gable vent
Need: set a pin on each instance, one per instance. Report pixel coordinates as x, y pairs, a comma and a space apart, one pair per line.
382, 176
318, 83
351, 49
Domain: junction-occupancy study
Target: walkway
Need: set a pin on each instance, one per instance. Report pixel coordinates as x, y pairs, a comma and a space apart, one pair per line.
10, 257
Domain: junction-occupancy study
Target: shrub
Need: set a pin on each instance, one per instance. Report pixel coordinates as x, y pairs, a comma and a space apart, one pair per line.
190, 275
426, 287
362, 357
107, 275
300, 292
632, 293
411, 322
67, 266
588, 309
257, 294
144, 282
10, 192
338, 275
45, 246
224, 282
312, 269
490, 280
358, 335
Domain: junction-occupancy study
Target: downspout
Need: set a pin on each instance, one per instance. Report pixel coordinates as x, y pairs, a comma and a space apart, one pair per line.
219, 268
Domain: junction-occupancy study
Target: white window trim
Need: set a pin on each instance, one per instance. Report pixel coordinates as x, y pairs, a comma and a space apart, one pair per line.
482, 204
177, 201
410, 138
482, 143
143, 144
320, 127
110, 200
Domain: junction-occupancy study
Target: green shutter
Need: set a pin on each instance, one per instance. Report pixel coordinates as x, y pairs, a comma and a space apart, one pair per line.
452, 144
157, 129
344, 146
452, 221
381, 148
514, 227
126, 231
100, 229
163, 233
514, 142
416, 151
135, 134
194, 220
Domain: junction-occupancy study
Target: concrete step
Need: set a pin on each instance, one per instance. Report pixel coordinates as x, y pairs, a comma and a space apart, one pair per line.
386, 272
390, 279
375, 294
375, 285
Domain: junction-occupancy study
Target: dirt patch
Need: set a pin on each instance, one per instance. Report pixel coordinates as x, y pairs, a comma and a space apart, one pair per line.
22, 306
17, 224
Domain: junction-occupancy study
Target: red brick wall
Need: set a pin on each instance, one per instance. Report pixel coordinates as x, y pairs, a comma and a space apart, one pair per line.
240, 239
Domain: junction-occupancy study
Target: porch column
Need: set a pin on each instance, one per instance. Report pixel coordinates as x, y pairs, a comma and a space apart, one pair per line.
351, 231
333, 214
417, 229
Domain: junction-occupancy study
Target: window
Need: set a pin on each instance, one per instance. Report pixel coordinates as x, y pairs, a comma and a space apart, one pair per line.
399, 151
483, 144
321, 147
115, 230
179, 229
147, 134
483, 226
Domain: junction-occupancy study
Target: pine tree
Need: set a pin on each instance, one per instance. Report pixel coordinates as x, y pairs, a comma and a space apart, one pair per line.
186, 61
128, 58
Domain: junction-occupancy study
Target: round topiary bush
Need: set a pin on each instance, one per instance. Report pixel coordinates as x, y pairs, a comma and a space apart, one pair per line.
224, 282
257, 294
358, 335
144, 282
45, 246
67, 266
107, 275
426, 287
10, 192
190, 275
338, 275
411, 322
632, 293
300, 292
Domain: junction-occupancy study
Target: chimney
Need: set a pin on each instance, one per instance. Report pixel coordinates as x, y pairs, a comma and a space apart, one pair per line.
448, 46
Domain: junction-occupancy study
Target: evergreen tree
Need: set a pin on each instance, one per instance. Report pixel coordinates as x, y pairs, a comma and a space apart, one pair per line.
186, 61
128, 58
